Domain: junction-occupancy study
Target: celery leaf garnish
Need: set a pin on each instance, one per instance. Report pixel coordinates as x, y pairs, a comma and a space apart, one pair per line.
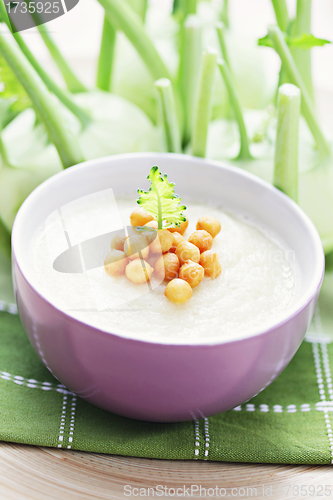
161, 201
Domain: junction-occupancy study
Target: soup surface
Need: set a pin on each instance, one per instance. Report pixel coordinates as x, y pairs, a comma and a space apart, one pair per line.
258, 283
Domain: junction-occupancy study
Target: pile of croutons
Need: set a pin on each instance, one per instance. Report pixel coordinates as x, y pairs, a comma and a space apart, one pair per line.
166, 253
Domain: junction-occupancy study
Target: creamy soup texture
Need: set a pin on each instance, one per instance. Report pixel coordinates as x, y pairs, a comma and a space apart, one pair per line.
259, 279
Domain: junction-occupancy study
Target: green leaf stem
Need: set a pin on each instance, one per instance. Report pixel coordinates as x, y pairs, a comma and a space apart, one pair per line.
46, 107
244, 152
288, 63
189, 69
286, 145
168, 115
202, 109
106, 56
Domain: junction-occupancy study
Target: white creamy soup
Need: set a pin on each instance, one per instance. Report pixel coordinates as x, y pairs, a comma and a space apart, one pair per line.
258, 283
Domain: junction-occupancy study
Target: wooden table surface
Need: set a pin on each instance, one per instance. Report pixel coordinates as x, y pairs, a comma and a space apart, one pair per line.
36, 473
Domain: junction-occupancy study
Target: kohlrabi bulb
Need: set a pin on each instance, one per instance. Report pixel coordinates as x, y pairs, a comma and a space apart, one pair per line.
32, 160
117, 126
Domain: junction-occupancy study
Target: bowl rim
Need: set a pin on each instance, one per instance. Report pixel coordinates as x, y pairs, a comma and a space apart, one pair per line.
303, 301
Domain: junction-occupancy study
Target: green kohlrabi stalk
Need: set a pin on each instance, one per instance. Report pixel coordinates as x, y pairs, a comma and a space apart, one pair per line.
283, 21
202, 109
221, 35
281, 14
106, 56
190, 7
224, 15
221, 29
286, 145
47, 109
122, 17
290, 67
244, 152
168, 115
185, 8
302, 57
66, 99
144, 9
73, 83
189, 69
140, 7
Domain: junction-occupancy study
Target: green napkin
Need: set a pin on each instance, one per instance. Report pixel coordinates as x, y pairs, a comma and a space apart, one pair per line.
289, 422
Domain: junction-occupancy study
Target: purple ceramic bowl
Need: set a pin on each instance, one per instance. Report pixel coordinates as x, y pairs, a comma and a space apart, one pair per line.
165, 381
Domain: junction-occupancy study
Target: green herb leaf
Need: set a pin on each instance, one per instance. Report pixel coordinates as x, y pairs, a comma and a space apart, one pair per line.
265, 41
305, 41
161, 201
11, 89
